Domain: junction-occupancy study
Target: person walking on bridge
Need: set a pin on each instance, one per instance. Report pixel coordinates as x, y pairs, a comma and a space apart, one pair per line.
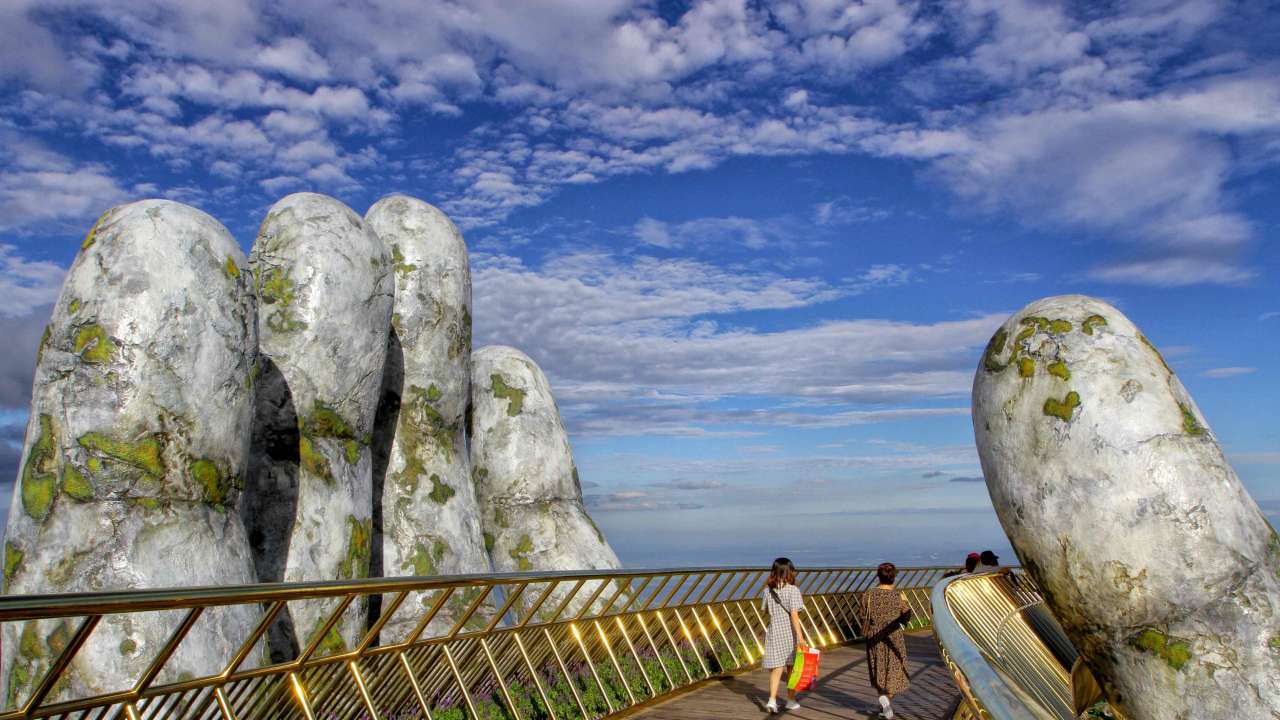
782, 602
884, 612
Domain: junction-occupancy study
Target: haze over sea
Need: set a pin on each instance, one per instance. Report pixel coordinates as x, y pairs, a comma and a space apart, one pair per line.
757, 248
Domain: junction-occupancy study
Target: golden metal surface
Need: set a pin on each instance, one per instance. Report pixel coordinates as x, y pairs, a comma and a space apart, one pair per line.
483, 647
1008, 656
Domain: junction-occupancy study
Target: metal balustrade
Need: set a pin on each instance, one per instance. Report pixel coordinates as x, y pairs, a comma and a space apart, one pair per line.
1007, 653
520, 646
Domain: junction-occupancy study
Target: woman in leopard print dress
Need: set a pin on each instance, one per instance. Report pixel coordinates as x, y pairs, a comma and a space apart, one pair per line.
884, 612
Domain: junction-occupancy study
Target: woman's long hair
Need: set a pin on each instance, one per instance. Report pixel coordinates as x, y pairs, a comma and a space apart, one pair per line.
782, 573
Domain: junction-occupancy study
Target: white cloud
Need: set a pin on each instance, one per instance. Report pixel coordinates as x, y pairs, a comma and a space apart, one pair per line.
1082, 123
1228, 372
1174, 272
38, 185
294, 57
26, 284
634, 346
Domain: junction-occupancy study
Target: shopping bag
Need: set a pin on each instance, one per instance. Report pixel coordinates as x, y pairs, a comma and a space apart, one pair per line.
804, 671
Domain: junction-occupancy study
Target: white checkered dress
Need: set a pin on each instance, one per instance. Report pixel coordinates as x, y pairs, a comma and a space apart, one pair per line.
779, 639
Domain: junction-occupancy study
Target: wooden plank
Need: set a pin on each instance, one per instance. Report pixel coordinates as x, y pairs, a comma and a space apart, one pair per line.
843, 691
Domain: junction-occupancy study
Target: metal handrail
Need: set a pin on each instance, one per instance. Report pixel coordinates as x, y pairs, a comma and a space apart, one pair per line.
1004, 665
519, 646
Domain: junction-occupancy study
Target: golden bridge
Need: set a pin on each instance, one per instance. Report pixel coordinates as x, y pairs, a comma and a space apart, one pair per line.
682, 643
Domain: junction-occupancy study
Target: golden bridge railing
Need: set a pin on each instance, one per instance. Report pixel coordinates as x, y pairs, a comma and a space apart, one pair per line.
1007, 653
526, 646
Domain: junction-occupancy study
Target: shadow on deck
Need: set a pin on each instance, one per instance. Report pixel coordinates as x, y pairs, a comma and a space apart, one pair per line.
843, 690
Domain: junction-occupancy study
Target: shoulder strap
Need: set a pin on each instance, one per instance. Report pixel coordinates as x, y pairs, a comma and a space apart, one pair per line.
777, 599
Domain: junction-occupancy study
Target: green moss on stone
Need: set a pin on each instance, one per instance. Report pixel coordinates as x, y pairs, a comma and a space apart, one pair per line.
1091, 322
1274, 545
433, 393
500, 518
13, 556
1175, 652
520, 553
1190, 425
29, 645
59, 638
429, 420
460, 342
231, 269
39, 474
423, 562
1026, 367
75, 484
148, 503
93, 232
92, 344
440, 492
489, 540
419, 563
402, 268
332, 642
144, 454
1025, 333
1275, 642
312, 460
74, 306
215, 485
277, 290
359, 548
1059, 370
1153, 349
351, 449
1062, 409
1059, 327
44, 342
513, 395
324, 421
995, 347
128, 646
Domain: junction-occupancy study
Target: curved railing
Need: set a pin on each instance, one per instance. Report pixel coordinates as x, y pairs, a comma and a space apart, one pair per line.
1010, 658
523, 646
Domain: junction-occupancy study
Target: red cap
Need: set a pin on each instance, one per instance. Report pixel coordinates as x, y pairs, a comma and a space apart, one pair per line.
973, 556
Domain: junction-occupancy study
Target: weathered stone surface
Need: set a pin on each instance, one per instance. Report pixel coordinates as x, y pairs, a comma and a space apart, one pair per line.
430, 519
1119, 501
527, 484
137, 443
324, 289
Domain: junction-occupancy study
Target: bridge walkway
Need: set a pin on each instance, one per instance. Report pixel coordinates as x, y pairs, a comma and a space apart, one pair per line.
843, 690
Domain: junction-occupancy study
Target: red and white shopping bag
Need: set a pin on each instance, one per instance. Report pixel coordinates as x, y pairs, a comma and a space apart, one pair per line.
804, 671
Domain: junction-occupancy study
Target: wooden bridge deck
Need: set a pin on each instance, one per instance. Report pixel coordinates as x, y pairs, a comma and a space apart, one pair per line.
843, 690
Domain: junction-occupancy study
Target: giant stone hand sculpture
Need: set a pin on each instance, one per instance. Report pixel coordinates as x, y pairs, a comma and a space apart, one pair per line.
430, 520
136, 446
1119, 501
325, 292
526, 480
161, 383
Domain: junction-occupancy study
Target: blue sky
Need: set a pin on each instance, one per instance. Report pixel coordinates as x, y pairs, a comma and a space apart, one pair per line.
757, 248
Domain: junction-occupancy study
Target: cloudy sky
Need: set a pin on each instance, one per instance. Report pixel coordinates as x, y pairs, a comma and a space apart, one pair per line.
756, 247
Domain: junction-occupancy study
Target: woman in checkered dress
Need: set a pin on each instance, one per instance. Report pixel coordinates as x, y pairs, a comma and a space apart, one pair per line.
782, 603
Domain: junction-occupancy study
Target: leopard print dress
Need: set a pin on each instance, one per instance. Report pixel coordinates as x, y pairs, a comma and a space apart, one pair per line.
882, 612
